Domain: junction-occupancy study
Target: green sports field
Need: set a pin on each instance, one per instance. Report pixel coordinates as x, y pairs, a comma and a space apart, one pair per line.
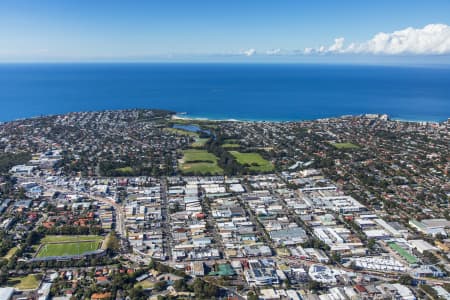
178, 131
253, 161
67, 249
70, 238
200, 162
230, 145
192, 155
405, 254
344, 146
199, 142
67, 245
124, 170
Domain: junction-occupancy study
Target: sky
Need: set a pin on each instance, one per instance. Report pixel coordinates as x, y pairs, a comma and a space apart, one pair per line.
232, 30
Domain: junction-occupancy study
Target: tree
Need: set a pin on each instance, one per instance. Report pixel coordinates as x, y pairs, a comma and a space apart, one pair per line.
430, 257
371, 244
406, 280
204, 290
8, 160
252, 296
180, 285
314, 285
353, 265
113, 243
336, 257
137, 293
152, 264
32, 238
160, 286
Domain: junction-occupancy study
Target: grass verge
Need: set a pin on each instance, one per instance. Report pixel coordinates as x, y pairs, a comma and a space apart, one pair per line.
29, 282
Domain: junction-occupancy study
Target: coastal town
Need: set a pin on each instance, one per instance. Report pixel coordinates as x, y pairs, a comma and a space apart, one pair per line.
145, 204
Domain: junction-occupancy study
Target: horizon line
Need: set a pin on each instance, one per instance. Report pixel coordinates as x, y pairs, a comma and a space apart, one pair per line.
221, 62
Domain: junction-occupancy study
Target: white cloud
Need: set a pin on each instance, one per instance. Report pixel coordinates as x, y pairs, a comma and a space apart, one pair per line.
276, 51
337, 46
308, 50
249, 52
431, 39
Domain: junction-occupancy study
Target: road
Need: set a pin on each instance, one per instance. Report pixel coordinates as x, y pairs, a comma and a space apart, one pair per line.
120, 215
167, 236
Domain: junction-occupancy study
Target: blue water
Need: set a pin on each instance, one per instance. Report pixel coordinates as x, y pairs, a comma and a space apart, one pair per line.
191, 128
220, 91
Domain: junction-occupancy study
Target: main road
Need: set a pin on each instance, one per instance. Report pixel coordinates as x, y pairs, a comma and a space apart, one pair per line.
120, 218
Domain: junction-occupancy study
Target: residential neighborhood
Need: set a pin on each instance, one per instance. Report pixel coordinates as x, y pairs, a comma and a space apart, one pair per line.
105, 205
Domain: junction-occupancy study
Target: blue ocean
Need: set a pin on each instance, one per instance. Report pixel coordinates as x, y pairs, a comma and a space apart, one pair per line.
276, 92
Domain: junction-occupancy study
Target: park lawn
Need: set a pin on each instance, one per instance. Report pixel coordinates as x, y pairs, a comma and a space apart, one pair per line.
125, 170
200, 162
230, 145
29, 282
193, 155
253, 161
67, 249
11, 253
344, 146
178, 131
70, 238
145, 284
202, 168
199, 143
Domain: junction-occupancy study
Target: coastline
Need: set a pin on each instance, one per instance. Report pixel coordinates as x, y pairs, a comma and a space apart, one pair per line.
186, 116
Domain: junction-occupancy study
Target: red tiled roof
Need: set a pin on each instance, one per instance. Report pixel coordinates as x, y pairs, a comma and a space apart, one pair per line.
360, 288
99, 296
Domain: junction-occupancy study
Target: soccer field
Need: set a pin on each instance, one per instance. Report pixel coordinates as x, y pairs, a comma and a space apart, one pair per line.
200, 162
70, 238
345, 146
253, 161
67, 249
